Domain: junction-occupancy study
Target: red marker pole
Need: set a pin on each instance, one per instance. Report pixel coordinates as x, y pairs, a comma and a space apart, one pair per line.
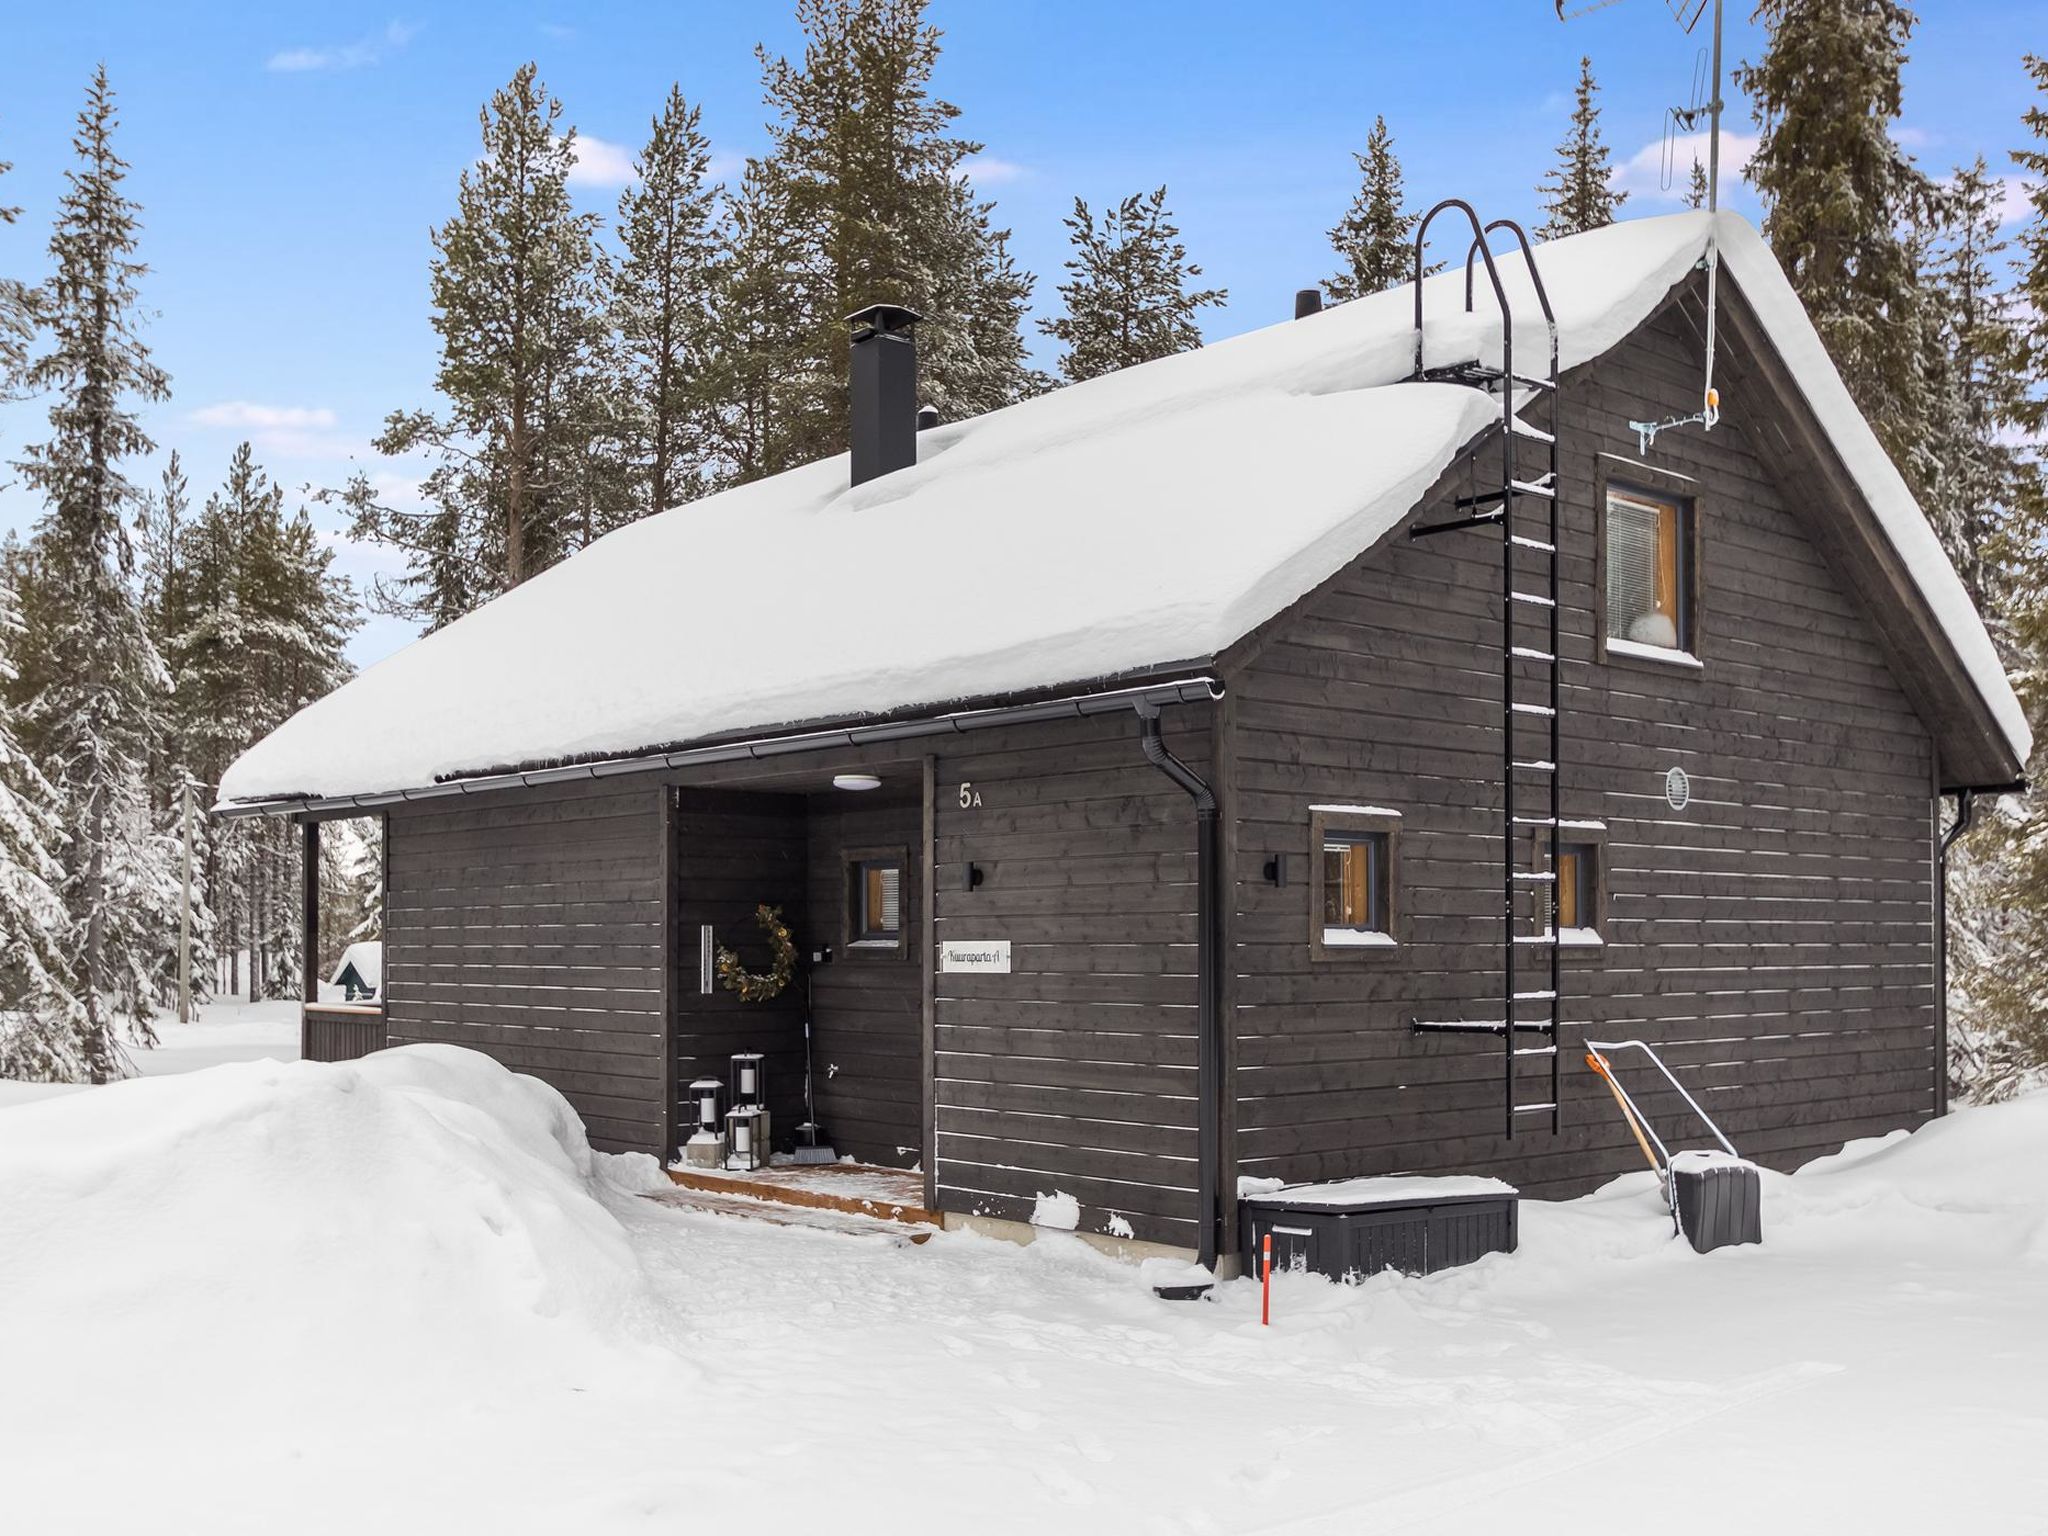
1266, 1282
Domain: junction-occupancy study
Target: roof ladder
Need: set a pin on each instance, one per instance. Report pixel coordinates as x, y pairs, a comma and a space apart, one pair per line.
1525, 511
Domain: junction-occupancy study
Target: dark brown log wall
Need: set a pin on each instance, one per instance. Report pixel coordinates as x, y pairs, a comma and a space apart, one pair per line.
1075, 1073
1777, 936
527, 925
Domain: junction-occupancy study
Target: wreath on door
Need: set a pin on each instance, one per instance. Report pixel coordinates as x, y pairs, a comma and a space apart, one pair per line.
759, 986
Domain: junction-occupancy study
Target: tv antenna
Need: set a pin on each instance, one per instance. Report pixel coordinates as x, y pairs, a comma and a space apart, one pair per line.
1688, 14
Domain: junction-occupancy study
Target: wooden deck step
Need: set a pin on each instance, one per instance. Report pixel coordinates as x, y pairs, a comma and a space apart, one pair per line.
809, 1218
849, 1189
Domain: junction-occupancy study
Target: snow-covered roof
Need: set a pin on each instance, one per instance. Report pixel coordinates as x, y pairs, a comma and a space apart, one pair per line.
1142, 519
367, 956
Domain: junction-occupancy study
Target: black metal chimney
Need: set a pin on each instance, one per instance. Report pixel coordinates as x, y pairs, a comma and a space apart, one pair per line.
882, 375
1307, 301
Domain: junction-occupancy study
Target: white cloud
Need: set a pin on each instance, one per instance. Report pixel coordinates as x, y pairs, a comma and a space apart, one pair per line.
1643, 172
356, 55
2012, 204
249, 416
281, 431
600, 163
989, 171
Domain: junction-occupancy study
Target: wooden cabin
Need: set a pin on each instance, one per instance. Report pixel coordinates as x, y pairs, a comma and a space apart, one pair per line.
1134, 780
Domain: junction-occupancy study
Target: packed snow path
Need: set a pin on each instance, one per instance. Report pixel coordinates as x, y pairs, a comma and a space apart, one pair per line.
402, 1295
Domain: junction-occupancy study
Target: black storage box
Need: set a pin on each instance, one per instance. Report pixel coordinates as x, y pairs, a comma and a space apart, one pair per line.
1352, 1228
1719, 1198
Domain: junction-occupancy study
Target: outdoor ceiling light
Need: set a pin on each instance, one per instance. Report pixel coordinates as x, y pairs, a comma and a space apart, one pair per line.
855, 781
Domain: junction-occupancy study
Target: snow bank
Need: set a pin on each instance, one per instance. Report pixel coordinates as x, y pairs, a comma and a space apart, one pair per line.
304, 1229
1143, 519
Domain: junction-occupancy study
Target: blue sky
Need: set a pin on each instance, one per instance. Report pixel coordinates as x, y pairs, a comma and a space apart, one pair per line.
292, 159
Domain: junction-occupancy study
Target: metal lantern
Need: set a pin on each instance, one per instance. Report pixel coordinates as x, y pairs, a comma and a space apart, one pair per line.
749, 1078
743, 1123
708, 1092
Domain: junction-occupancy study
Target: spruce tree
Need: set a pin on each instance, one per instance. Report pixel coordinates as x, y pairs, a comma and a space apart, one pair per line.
663, 293
95, 681
1376, 237
1837, 189
43, 1026
867, 180
757, 335
1578, 193
2032, 264
521, 472
17, 311
1127, 296
1696, 188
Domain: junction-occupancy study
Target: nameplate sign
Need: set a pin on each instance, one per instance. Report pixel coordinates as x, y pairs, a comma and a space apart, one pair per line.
984, 955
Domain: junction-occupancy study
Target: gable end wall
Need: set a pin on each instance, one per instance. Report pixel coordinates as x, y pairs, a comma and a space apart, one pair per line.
1777, 935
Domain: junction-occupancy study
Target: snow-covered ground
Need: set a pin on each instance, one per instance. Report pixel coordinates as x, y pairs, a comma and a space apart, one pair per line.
401, 1295
219, 1032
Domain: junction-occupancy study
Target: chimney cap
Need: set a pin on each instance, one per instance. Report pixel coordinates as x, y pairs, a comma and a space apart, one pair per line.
884, 318
1307, 301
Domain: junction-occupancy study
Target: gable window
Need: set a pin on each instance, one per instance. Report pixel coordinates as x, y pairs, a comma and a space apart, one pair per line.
1352, 905
874, 906
1647, 552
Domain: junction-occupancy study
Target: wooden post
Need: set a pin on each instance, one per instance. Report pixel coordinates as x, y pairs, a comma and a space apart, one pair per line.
309, 914
185, 918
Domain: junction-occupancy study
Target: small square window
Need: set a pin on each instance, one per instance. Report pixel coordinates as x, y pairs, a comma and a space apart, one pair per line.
1354, 884
1647, 551
1578, 903
875, 901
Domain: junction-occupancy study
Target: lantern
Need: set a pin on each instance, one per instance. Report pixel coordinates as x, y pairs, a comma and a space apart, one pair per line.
706, 1146
749, 1078
743, 1121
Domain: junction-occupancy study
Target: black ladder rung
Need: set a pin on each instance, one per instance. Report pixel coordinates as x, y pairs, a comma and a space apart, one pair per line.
1534, 597
1532, 709
1534, 1109
1457, 524
1536, 877
1532, 382
1535, 1050
1528, 543
1544, 996
1529, 653
1534, 434
1537, 765
1535, 938
1537, 821
1476, 1027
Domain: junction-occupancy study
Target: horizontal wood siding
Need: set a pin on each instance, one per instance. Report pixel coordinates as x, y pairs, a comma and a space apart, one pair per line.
527, 925
865, 1006
1075, 1073
1777, 936
332, 1034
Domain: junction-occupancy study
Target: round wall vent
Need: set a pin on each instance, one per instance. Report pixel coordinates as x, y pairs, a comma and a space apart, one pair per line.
1677, 789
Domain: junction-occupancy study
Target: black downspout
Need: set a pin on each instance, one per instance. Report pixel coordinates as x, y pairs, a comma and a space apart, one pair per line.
1966, 807
1208, 982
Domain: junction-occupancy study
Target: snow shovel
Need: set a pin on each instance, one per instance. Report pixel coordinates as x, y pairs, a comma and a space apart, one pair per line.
1715, 1197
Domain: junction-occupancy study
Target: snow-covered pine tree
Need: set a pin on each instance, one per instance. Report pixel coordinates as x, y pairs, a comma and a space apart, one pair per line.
869, 183
519, 473
662, 292
1579, 193
2032, 263
1696, 188
95, 683
1837, 189
17, 311
1375, 240
1127, 296
1998, 887
43, 1026
757, 333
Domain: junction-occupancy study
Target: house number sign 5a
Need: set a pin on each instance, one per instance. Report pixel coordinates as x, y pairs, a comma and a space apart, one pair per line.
970, 797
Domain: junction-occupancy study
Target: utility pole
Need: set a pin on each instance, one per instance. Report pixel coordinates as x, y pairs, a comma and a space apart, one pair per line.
185, 918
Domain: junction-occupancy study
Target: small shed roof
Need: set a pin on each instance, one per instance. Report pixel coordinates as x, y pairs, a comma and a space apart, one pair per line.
1143, 519
367, 956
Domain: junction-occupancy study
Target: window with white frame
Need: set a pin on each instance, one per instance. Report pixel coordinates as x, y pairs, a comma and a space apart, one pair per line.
1648, 558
